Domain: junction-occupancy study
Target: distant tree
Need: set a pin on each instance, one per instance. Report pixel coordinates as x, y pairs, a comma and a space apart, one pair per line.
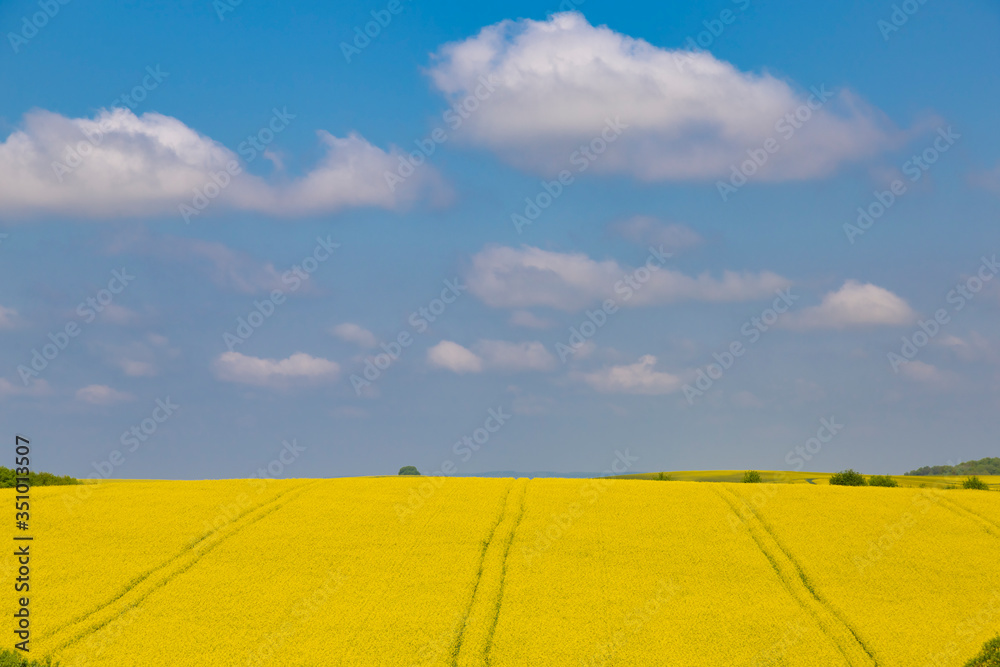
849, 477
882, 480
987, 466
8, 479
409, 470
751, 477
975, 483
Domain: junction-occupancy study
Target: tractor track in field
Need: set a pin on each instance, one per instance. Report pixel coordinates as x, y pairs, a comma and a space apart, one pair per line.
503, 577
989, 525
479, 578
145, 575
487, 599
162, 575
791, 574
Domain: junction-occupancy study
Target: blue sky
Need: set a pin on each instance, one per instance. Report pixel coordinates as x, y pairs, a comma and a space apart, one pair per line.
647, 134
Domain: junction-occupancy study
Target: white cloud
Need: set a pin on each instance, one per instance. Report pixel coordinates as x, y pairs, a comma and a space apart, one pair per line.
649, 230
354, 333
927, 374
453, 357
141, 359
689, 115
243, 369
150, 164
9, 319
505, 277
853, 305
525, 318
228, 268
99, 394
505, 356
988, 179
120, 315
34, 389
637, 378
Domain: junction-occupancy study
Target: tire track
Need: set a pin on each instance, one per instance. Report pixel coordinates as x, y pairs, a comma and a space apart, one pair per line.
503, 577
159, 577
484, 611
793, 577
456, 649
145, 575
986, 524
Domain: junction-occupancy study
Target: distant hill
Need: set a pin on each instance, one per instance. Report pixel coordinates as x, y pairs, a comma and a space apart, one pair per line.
987, 466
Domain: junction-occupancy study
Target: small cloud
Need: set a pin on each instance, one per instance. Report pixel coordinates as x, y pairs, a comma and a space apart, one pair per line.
505, 356
274, 373
120, 315
648, 230
853, 305
927, 374
353, 333
988, 179
454, 357
746, 399
34, 389
525, 318
9, 319
637, 378
99, 394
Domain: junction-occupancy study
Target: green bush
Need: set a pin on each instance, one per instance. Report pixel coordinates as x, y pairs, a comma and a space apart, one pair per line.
664, 477
990, 655
8, 480
409, 470
882, 480
12, 659
751, 477
849, 477
975, 483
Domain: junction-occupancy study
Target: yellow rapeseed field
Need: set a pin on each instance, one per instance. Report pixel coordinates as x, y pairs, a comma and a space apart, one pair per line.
470, 572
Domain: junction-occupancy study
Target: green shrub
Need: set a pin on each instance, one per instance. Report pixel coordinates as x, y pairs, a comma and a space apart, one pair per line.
849, 477
409, 470
751, 477
12, 659
8, 478
882, 480
990, 655
975, 483
664, 477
